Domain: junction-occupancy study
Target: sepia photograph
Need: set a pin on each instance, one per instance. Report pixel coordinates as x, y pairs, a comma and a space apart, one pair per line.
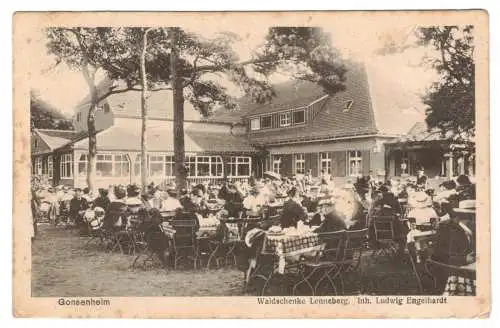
274, 161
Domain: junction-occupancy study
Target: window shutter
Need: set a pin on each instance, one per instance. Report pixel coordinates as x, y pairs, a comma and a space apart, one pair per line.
365, 161
286, 165
341, 163
314, 164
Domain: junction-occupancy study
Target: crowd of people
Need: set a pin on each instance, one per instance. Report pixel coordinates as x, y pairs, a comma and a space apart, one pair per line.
289, 202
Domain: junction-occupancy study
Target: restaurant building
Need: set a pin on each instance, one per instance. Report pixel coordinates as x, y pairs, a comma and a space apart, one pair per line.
303, 129
439, 155
213, 149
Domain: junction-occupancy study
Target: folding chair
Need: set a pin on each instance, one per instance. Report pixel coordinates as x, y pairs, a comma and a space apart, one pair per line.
384, 235
441, 273
326, 261
422, 249
355, 245
184, 243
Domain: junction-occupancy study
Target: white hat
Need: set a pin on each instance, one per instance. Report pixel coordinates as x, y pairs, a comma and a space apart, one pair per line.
466, 207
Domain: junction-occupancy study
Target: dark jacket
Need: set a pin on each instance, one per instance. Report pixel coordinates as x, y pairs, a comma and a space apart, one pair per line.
102, 202
77, 205
117, 210
292, 213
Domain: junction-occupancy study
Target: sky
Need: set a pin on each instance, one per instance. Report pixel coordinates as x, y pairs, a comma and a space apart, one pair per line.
64, 88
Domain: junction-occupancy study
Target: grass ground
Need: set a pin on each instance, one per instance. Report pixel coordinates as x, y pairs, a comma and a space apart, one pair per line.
63, 267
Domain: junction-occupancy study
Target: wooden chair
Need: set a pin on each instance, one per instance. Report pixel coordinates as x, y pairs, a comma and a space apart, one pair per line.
328, 260
421, 250
384, 234
355, 245
441, 271
184, 243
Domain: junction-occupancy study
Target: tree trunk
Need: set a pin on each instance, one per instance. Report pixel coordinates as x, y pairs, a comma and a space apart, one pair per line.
178, 99
92, 160
144, 115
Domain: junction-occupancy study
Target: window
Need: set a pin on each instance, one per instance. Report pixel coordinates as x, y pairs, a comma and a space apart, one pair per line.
299, 116
347, 105
255, 124
325, 162
266, 122
354, 161
104, 166
276, 164
105, 108
44, 166
156, 165
137, 165
35, 143
300, 164
122, 166
66, 166
239, 166
82, 165
190, 163
285, 119
169, 166
50, 166
78, 117
209, 166
38, 165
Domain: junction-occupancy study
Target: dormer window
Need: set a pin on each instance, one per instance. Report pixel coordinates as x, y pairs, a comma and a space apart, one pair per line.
299, 116
266, 122
255, 124
285, 119
78, 117
347, 105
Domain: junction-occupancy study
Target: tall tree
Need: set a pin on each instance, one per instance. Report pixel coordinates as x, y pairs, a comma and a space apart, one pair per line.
117, 52
197, 65
451, 100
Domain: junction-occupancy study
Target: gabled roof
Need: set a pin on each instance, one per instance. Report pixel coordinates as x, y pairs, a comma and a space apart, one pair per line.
378, 108
160, 139
57, 138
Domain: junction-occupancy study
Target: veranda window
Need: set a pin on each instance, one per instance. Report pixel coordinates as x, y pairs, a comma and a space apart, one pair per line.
104, 166
355, 162
300, 164
38, 165
326, 162
239, 166
156, 165
122, 166
50, 166
276, 164
66, 166
82, 165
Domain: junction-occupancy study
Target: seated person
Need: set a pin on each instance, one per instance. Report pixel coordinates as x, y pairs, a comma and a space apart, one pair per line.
170, 203
386, 203
465, 189
156, 200
117, 215
293, 211
103, 200
77, 206
234, 201
253, 203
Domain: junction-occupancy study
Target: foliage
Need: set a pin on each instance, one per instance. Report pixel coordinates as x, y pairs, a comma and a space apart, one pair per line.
451, 101
45, 116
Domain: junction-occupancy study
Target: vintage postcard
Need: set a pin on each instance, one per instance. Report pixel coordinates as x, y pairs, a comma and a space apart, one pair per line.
251, 165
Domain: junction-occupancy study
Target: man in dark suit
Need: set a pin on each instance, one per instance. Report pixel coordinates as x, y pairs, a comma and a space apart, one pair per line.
293, 211
77, 206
